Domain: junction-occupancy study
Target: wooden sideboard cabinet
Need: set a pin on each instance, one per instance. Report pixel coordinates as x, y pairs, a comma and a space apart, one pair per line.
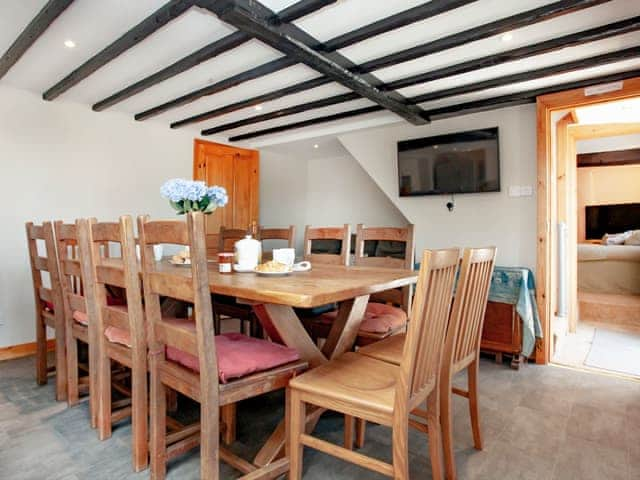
502, 332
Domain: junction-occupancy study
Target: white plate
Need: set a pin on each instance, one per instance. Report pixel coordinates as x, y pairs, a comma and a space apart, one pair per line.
274, 274
301, 266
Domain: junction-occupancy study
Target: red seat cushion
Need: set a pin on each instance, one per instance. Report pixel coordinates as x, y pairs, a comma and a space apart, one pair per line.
115, 334
81, 317
238, 355
49, 306
378, 318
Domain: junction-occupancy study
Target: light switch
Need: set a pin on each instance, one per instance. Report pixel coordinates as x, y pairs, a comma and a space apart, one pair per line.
526, 191
514, 191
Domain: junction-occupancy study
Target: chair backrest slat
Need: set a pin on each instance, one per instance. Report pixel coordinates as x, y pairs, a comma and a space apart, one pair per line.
423, 347
111, 274
113, 317
467, 314
343, 234
286, 234
400, 297
229, 236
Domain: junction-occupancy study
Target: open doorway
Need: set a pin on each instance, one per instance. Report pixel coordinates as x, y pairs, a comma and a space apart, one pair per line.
569, 124
591, 287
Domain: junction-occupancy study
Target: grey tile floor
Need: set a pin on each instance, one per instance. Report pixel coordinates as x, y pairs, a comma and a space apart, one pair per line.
538, 423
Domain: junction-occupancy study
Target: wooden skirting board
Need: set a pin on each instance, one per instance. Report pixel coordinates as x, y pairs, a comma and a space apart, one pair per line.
23, 350
618, 311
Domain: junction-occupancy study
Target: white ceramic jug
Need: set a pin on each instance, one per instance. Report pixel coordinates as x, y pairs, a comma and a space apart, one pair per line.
248, 252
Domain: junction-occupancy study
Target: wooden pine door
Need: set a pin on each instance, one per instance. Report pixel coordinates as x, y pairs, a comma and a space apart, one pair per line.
237, 170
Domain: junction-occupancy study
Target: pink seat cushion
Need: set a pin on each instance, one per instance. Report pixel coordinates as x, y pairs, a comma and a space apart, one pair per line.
238, 355
115, 334
378, 318
81, 317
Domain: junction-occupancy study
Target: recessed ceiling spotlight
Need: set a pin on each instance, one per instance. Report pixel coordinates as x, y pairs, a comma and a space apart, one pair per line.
69, 43
315, 145
435, 146
507, 37
258, 107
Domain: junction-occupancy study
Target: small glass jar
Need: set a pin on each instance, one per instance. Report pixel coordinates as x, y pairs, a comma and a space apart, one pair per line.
225, 262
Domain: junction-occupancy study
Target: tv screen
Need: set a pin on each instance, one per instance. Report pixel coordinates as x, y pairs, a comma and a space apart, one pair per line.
601, 219
465, 162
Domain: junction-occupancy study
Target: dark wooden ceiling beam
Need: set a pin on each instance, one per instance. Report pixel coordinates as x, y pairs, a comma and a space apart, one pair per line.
243, 15
528, 96
520, 20
45, 17
570, 67
250, 102
212, 50
520, 53
149, 25
393, 22
590, 62
308, 123
421, 12
503, 101
325, 102
264, 69
202, 55
599, 33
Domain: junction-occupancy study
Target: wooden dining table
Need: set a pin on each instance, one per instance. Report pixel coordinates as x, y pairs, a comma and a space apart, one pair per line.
275, 297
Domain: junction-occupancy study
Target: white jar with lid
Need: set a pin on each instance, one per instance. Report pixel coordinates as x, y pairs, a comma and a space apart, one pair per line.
248, 253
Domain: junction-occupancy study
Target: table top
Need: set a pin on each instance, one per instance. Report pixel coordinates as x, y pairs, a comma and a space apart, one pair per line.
321, 285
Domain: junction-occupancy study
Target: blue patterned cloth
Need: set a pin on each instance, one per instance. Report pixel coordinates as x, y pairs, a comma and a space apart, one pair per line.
516, 286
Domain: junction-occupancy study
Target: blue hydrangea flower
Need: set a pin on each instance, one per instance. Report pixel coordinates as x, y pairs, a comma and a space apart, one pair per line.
195, 191
174, 189
187, 195
218, 195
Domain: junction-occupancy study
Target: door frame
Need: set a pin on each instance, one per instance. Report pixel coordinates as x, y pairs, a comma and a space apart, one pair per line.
547, 193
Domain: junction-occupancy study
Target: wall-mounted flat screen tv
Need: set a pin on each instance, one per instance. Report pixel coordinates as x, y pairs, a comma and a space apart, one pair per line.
465, 162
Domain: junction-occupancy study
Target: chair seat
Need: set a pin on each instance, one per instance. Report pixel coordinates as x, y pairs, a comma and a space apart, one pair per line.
388, 350
378, 318
238, 355
81, 317
354, 381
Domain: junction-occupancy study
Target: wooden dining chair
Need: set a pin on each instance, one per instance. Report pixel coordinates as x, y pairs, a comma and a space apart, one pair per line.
121, 336
227, 307
462, 346
387, 311
277, 234
336, 234
186, 356
364, 387
287, 234
79, 325
48, 305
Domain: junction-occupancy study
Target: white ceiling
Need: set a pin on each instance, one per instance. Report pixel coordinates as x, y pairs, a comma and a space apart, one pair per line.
92, 25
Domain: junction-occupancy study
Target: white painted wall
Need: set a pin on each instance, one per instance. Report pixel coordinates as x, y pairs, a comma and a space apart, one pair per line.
62, 161
320, 191
478, 219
